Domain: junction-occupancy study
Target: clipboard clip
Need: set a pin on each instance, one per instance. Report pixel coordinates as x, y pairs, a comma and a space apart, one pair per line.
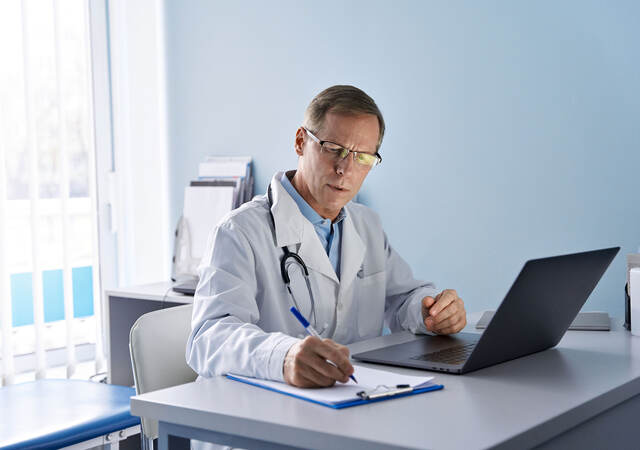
384, 391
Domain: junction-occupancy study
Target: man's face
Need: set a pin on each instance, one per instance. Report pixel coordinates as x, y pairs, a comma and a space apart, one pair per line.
326, 184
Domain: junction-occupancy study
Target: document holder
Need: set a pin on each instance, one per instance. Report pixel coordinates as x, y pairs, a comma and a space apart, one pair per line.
340, 396
385, 391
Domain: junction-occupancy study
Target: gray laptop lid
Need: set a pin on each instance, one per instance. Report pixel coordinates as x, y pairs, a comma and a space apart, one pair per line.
540, 306
534, 315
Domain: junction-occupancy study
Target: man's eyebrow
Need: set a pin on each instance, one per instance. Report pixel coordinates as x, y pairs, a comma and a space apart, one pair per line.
375, 152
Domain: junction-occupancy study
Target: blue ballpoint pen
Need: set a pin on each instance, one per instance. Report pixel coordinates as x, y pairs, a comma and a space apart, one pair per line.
307, 326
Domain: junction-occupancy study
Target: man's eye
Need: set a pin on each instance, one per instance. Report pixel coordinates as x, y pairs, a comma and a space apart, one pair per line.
338, 151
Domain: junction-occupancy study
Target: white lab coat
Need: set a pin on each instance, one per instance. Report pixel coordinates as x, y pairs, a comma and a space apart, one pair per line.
241, 320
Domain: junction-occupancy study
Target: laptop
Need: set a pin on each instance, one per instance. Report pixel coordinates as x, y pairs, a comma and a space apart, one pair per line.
534, 315
187, 287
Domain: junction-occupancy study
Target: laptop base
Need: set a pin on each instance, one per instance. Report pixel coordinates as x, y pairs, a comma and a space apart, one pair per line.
407, 354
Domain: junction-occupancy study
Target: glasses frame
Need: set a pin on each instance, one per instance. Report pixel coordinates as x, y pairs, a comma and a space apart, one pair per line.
355, 153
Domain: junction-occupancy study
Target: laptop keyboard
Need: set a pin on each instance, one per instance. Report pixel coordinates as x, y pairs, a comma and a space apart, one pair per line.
451, 355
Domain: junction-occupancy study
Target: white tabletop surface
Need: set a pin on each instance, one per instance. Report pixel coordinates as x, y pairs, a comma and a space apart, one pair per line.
520, 402
152, 291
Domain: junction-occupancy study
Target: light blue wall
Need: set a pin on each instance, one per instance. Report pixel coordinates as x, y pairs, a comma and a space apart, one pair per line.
512, 126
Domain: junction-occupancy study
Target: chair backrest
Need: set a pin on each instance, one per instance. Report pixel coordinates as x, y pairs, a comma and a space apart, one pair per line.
157, 344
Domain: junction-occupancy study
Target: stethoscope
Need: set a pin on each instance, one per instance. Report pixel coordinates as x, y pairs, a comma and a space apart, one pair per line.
285, 274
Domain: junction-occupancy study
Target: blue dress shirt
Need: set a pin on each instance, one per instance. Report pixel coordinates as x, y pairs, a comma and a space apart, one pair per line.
329, 233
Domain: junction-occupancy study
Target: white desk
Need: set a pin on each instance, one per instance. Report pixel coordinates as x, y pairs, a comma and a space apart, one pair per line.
581, 394
125, 305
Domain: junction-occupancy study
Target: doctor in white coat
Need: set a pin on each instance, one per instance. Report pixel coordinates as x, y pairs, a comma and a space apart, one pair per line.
356, 281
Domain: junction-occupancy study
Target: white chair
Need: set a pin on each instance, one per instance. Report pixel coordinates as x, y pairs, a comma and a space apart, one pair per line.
157, 344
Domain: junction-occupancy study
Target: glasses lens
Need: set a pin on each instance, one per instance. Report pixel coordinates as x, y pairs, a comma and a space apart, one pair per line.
338, 153
334, 151
366, 159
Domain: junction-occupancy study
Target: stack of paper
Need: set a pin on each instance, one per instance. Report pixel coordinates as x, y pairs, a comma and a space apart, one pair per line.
228, 171
223, 184
342, 395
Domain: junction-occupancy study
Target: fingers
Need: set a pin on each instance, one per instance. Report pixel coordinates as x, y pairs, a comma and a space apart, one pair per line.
313, 362
447, 315
427, 302
321, 365
299, 371
338, 355
450, 311
454, 328
309, 377
442, 301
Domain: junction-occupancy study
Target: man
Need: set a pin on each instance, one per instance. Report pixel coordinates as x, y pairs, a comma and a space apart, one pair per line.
356, 282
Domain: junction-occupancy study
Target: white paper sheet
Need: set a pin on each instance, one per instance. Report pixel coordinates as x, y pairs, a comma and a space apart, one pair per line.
204, 207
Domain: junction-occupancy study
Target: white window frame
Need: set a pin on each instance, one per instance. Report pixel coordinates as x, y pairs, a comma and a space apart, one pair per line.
139, 187
104, 163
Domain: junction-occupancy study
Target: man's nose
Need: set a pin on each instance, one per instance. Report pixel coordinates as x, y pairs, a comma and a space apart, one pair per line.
344, 164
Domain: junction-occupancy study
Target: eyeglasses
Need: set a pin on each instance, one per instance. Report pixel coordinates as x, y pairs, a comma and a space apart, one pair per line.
337, 153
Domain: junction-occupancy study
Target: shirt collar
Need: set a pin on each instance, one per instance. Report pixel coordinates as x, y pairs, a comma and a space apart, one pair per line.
307, 211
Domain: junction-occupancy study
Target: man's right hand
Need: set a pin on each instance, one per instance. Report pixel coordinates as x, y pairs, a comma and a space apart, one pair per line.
307, 363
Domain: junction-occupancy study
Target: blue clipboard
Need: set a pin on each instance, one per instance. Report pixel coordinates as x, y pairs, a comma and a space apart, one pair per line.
347, 403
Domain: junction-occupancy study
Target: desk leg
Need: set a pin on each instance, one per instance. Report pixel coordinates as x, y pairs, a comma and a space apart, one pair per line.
170, 429
163, 436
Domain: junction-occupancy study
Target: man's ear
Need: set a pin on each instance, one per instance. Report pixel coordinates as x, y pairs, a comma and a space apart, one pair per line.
299, 141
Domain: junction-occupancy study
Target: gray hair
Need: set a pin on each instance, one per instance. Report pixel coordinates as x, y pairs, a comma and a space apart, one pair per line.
341, 99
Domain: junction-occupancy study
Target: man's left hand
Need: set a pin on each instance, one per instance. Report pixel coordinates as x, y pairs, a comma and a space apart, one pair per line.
444, 314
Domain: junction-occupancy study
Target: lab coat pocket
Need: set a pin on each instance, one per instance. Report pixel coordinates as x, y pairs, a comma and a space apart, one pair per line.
369, 293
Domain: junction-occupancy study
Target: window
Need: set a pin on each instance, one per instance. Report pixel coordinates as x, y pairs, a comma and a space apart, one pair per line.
50, 283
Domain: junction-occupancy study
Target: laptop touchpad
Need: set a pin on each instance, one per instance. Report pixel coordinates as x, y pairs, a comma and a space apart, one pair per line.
429, 344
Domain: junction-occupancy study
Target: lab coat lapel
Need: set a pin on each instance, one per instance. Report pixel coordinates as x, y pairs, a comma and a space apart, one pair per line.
293, 228
353, 251
289, 221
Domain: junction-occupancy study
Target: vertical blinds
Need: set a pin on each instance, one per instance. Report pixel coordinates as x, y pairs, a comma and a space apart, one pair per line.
49, 282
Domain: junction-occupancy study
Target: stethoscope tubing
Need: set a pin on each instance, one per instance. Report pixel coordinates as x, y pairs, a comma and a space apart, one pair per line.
284, 272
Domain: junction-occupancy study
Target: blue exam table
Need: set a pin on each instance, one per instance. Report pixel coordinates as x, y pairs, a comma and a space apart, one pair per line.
60, 413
